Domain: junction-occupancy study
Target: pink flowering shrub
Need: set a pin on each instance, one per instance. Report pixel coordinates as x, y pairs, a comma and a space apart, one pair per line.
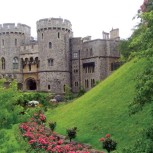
39, 117
42, 138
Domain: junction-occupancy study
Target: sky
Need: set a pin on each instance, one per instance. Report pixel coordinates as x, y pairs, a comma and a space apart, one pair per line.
88, 17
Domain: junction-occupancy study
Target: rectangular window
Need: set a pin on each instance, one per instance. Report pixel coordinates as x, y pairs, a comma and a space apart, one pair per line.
91, 52
50, 62
15, 65
75, 55
48, 87
75, 70
86, 83
29, 67
76, 84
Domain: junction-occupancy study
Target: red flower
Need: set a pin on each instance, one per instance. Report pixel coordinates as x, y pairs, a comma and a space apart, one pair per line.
107, 136
102, 139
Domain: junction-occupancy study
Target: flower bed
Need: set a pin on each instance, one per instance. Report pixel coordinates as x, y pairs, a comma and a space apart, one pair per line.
42, 138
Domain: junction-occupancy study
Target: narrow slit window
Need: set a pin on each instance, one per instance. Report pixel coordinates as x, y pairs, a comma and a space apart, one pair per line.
58, 35
3, 63
16, 41
3, 42
50, 45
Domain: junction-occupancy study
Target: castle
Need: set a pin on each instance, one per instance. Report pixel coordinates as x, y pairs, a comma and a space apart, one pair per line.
56, 58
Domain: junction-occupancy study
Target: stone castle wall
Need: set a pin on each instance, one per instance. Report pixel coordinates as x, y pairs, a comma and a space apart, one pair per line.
53, 44
57, 58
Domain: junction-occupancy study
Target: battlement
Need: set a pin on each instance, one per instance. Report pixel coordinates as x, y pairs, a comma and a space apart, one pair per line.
12, 28
54, 23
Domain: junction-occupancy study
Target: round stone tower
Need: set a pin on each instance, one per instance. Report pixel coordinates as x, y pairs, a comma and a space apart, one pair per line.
11, 38
54, 54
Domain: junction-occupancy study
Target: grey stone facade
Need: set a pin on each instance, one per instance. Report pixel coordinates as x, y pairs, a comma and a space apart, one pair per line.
57, 58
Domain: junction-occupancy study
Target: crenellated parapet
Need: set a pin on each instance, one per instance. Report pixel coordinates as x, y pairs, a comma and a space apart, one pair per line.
8, 28
54, 23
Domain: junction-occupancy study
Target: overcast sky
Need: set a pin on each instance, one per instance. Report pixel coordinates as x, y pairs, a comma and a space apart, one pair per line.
88, 17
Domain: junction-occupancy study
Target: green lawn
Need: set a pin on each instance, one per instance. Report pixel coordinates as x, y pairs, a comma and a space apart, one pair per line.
104, 109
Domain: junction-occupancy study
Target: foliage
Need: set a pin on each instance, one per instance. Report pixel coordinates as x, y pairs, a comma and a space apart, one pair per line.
25, 97
140, 146
143, 37
71, 133
41, 139
68, 93
124, 49
144, 90
13, 111
81, 92
96, 112
39, 117
108, 143
52, 125
147, 6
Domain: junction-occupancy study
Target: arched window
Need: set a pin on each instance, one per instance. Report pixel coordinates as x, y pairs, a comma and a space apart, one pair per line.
3, 63
15, 63
50, 45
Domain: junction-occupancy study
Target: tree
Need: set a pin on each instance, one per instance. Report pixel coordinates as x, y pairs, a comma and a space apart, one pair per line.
143, 39
68, 93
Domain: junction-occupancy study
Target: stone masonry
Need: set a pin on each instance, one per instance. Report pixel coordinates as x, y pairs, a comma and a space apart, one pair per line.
56, 58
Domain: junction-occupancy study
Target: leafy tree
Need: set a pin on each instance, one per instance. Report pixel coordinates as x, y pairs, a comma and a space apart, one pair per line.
142, 39
68, 93
124, 48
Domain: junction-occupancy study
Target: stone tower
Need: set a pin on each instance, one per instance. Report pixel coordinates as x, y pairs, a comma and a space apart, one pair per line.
54, 54
11, 38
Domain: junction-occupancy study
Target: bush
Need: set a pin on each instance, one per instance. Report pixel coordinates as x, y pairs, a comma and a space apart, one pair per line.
108, 143
71, 133
52, 126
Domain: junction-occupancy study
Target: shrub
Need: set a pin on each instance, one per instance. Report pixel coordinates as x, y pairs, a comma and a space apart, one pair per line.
52, 126
108, 143
71, 133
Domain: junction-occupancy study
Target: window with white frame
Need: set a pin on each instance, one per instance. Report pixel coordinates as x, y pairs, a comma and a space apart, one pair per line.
75, 55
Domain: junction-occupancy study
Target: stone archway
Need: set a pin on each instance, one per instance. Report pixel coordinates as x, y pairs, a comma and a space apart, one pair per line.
31, 84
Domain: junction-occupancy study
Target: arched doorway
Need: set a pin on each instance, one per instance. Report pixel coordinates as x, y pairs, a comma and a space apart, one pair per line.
31, 84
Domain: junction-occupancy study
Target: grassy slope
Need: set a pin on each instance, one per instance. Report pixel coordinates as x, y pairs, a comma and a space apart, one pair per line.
104, 109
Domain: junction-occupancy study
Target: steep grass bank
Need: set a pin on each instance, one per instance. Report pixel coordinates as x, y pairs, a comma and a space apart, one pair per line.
104, 109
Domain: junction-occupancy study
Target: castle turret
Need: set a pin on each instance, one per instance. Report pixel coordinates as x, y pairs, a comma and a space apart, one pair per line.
11, 38
53, 43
